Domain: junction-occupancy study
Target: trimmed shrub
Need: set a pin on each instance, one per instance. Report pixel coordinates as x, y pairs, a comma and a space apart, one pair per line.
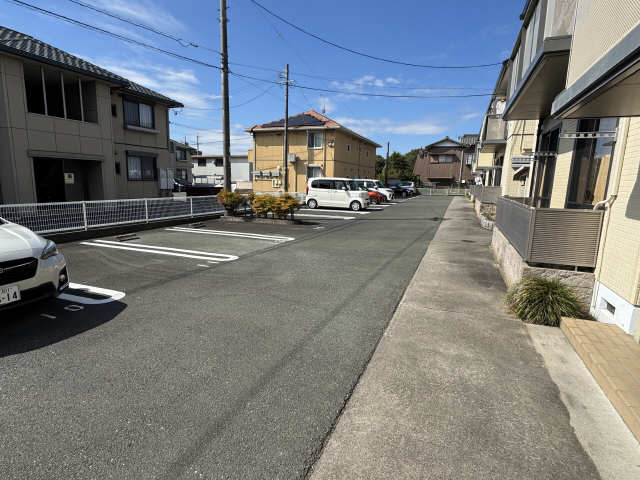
262, 204
543, 301
285, 205
230, 200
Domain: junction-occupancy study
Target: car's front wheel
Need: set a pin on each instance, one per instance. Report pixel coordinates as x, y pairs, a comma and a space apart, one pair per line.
312, 203
355, 206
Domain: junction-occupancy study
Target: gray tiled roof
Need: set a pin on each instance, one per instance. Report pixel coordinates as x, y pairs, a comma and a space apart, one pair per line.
24, 45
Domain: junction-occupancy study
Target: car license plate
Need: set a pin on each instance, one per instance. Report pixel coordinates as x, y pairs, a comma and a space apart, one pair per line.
9, 294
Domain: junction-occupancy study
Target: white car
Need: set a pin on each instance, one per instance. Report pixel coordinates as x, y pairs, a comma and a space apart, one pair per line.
376, 185
335, 192
31, 268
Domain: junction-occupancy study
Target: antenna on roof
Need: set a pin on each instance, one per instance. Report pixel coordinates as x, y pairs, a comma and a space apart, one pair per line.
324, 109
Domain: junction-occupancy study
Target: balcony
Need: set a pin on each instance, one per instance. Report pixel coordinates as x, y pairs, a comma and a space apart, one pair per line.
495, 134
540, 58
550, 236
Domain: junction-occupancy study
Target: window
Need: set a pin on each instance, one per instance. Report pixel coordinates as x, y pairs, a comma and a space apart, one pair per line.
323, 184
348, 147
202, 162
338, 185
468, 158
181, 174
117, 168
444, 158
114, 110
142, 168
219, 162
591, 164
138, 114
59, 94
181, 154
314, 139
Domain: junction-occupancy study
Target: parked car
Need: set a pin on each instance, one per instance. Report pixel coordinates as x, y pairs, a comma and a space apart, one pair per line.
31, 267
410, 187
376, 185
335, 192
396, 185
375, 198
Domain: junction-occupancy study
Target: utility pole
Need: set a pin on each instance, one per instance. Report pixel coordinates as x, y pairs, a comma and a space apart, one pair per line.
285, 165
197, 143
386, 167
224, 60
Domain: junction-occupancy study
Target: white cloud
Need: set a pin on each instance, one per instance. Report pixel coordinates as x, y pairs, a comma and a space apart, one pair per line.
392, 81
145, 11
358, 84
384, 125
470, 116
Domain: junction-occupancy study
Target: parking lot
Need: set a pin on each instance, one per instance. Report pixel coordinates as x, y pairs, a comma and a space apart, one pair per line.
225, 350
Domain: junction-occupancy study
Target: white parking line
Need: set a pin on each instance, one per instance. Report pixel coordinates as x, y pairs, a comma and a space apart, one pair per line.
174, 252
334, 211
110, 295
324, 216
255, 236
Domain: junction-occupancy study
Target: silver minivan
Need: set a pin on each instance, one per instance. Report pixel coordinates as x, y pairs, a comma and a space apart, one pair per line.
335, 192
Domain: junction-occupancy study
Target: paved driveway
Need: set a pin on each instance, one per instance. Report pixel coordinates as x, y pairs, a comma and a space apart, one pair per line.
224, 352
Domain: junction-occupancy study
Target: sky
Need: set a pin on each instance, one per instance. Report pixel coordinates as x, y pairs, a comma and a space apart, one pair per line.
454, 32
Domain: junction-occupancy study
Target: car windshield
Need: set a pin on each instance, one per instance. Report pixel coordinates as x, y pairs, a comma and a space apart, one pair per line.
379, 184
406, 184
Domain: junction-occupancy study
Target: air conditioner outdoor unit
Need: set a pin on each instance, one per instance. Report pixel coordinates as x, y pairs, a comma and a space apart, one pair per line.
291, 157
275, 183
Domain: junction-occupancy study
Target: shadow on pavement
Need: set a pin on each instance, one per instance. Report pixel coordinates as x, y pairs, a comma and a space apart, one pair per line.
25, 328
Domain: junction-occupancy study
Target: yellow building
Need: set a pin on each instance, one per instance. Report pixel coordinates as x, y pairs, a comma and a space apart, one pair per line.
318, 147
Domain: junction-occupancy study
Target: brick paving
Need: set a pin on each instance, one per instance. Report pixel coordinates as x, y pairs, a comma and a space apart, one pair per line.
613, 358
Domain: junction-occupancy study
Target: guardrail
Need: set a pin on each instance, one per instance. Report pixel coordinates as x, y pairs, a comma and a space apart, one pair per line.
485, 194
73, 216
552, 236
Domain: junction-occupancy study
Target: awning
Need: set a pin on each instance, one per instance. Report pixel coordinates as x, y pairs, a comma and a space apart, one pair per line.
609, 88
545, 77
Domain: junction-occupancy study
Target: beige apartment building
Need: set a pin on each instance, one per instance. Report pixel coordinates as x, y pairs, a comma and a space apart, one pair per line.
571, 167
318, 147
70, 130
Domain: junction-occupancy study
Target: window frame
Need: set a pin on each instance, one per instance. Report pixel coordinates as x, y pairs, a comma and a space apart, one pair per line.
312, 134
142, 158
446, 155
138, 103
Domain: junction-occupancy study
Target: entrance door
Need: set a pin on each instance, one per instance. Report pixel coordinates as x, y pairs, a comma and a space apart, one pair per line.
546, 168
49, 179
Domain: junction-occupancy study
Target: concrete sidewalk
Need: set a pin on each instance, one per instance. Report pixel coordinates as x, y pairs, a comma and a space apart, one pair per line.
455, 389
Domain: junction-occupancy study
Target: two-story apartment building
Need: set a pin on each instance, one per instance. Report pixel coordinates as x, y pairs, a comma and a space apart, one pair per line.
318, 146
209, 169
181, 161
572, 84
70, 130
447, 162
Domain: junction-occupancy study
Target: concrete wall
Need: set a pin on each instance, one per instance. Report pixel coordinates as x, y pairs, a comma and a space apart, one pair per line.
336, 161
599, 25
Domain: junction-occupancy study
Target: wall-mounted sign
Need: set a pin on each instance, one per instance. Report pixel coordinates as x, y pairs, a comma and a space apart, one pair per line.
69, 178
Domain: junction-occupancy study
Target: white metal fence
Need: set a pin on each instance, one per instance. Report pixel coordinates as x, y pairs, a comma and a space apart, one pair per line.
70, 216
443, 191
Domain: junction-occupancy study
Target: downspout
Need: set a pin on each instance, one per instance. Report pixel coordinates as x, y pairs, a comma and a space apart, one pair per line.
609, 201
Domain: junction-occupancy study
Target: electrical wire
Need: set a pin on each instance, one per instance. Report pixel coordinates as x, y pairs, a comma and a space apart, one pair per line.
366, 55
181, 41
261, 94
112, 34
347, 92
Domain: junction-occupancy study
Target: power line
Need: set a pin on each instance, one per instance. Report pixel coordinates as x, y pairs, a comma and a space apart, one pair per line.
362, 54
261, 94
181, 41
112, 34
347, 92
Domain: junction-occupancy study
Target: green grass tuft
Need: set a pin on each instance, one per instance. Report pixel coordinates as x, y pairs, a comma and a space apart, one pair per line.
543, 301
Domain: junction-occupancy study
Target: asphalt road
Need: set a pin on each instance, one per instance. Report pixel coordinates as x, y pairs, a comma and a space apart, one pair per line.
224, 352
